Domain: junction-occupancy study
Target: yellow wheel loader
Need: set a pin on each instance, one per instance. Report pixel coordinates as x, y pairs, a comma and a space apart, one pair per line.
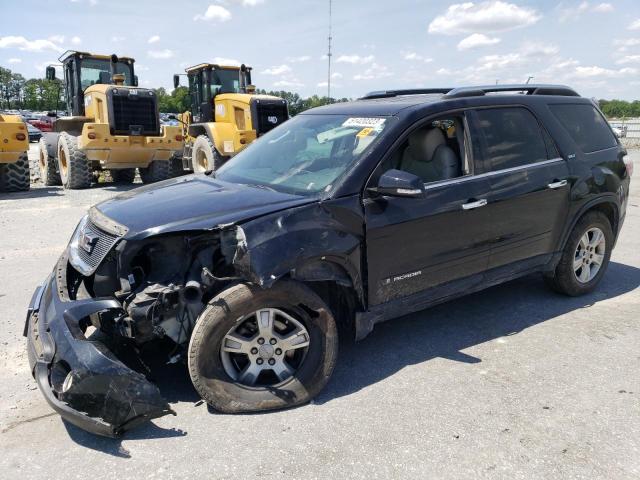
226, 115
14, 163
114, 125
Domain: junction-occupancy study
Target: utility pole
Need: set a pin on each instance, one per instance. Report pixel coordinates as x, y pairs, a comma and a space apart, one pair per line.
329, 57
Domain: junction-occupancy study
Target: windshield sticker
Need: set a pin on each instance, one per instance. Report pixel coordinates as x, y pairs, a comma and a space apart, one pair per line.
364, 132
362, 122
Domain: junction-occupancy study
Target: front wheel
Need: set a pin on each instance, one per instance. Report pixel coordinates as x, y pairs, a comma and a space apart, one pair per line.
75, 170
15, 177
204, 156
256, 349
585, 256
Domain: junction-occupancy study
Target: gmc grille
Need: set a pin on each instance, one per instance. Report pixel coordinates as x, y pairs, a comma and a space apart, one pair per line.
102, 247
134, 114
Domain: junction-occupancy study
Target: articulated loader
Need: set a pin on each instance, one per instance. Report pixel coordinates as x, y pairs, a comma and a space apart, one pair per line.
114, 125
14, 163
226, 115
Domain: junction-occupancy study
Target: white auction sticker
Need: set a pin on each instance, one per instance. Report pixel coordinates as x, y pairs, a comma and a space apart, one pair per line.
364, 122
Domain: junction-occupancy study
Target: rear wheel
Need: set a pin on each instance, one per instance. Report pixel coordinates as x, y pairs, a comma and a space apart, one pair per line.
123, 175
15, 177
255, 349
49, 176
157, 171
75, 170
585, 257
204, 156
175, 166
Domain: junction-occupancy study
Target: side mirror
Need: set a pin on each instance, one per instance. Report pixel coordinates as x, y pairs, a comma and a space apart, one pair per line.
176, 81
135, 80
398, 183
50, 73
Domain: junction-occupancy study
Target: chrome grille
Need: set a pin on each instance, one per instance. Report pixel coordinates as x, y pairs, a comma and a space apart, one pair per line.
104, 243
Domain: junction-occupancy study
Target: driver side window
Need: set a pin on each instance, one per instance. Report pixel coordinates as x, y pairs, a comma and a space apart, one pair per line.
435, 151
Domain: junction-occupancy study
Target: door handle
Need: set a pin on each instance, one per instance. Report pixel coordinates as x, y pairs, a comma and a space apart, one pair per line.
477, 204
559, 184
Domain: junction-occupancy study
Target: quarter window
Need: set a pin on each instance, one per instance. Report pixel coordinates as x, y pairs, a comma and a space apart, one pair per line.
586, 126
510, 137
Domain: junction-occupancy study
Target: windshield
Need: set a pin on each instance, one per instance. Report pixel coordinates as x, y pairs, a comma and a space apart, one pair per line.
225, 81
98, 70
304, 155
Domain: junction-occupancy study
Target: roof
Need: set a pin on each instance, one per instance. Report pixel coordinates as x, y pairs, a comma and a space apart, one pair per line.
69, 53
201, 66
391, 102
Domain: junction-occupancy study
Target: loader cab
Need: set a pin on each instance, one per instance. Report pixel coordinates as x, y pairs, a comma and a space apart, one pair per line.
207, 80
82, 70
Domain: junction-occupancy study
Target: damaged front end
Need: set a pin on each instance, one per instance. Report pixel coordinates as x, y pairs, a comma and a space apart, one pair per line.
132, 293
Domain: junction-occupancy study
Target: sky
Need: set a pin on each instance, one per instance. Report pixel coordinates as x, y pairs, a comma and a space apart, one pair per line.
593, 46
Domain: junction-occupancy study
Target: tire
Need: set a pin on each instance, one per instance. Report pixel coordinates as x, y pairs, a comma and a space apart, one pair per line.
204, 156
15, 177
123, 175
157, 171
175, 166
49, 176
75, 170
565, 278
227, 311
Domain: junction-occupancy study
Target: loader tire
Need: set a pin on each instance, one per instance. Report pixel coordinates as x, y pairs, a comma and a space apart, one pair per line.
157, 171
204, 156
15, 177
176, 168
49, 176
74, 168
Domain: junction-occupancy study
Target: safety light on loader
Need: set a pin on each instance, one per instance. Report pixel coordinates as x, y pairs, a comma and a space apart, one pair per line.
21, 136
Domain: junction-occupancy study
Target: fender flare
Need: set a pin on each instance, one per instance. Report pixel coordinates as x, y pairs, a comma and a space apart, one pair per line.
332, 269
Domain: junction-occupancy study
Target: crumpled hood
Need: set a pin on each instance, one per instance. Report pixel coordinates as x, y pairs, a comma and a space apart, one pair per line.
193, 202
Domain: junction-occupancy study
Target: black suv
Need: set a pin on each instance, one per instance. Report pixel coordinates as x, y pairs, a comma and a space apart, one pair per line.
343, 217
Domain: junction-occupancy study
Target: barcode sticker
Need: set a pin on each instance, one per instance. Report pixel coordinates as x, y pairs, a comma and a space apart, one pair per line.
364, 122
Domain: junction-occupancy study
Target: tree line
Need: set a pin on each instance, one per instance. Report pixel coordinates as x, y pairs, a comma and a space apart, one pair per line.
620, 108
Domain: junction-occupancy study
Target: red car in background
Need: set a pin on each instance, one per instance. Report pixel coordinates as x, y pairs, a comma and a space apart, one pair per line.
43, 123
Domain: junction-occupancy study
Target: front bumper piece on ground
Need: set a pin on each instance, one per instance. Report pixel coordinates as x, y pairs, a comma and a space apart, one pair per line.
81, 379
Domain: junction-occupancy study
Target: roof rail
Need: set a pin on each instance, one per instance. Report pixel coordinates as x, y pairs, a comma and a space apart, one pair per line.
529, 89
410, 91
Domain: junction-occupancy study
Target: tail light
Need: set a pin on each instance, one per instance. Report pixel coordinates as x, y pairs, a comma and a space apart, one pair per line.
21, 136
92, 135
179, 138
629, 164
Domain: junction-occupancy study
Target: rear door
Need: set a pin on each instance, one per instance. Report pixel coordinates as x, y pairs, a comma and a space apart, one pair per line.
529, 197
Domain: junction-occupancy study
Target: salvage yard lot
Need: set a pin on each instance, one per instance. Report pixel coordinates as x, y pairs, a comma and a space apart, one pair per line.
512, 382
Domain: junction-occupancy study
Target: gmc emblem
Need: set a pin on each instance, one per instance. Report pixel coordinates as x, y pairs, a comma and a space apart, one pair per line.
272, 119
87, 242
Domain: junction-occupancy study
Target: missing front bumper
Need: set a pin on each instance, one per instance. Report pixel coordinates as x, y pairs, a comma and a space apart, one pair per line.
81, 379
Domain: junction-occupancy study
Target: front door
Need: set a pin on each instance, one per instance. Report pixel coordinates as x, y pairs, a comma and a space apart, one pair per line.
414, 244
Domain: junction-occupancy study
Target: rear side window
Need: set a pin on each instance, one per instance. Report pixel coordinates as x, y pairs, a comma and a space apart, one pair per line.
510, 137
586, 126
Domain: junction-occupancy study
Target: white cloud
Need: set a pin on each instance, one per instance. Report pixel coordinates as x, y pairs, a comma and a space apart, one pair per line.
76, 40
215, 13
22, 43
301, 58
624, 44
634, 25
336, 75
288, 83
413, 56
154, 39
162, 54
603, 8
488, 17
14, 60
277, 70
476, 40
56, 38
595, 71
141, 67
117, 39
355, 59
231, 62
628, 59
373, 72
251, 3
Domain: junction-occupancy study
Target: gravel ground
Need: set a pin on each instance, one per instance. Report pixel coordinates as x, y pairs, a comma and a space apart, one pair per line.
513, 382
